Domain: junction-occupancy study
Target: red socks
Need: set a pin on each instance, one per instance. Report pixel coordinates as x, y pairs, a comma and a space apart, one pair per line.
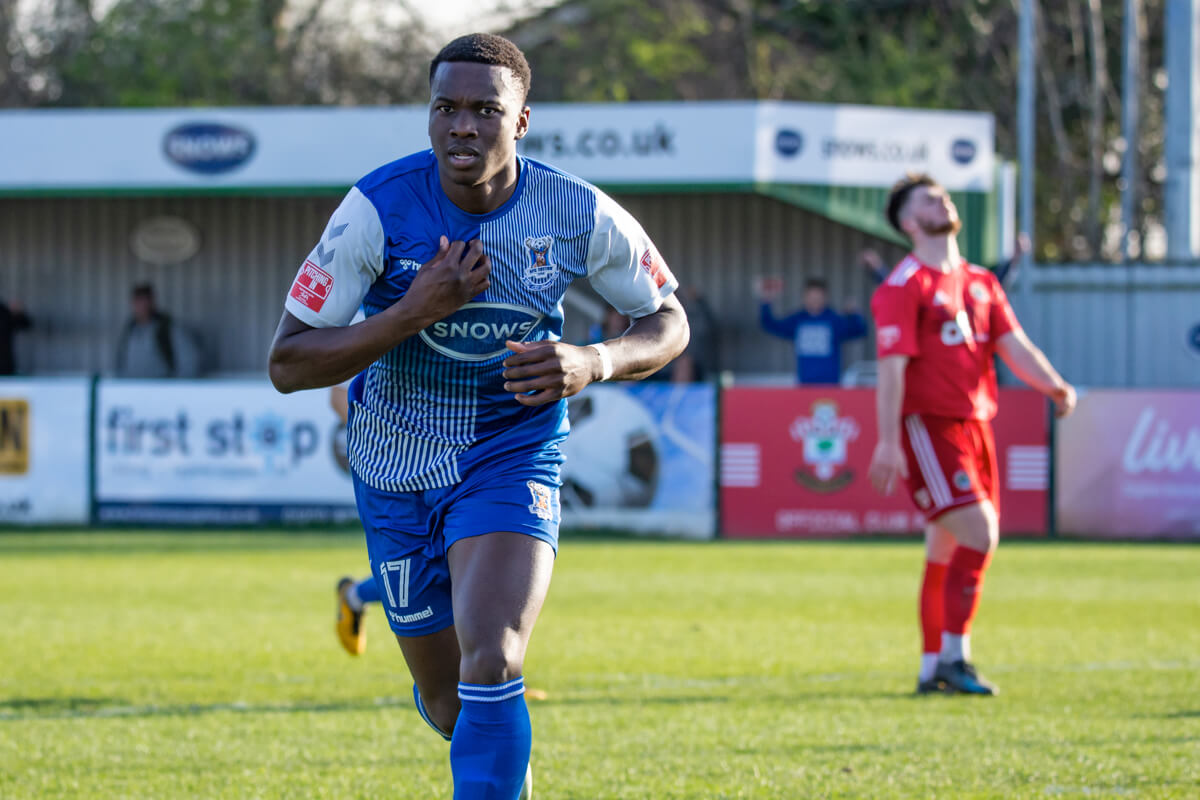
964, 584
933, 604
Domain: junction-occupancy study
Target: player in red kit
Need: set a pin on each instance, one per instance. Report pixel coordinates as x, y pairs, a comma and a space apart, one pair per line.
939, 321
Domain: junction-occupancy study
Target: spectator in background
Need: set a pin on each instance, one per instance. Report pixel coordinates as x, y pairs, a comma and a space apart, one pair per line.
12, 319
152, 345
699, 361
817, 331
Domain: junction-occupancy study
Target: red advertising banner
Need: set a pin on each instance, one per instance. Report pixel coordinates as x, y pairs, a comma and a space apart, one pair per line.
794, 464
1128, 465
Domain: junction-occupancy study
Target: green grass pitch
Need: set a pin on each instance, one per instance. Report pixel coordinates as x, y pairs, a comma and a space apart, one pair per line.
205, 665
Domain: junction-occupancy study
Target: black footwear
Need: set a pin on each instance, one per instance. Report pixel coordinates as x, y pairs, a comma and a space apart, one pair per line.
931, 686
960, 676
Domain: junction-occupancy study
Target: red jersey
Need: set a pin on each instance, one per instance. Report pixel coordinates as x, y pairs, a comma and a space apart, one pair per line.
948, 325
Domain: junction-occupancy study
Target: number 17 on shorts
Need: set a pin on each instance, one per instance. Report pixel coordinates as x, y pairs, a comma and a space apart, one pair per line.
397, 594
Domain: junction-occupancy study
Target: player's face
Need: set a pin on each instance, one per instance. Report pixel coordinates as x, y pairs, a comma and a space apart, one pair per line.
933, 212
476, 116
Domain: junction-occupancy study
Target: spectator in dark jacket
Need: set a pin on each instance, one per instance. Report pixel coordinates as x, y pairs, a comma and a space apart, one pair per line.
152, 345
817, 332
12, 319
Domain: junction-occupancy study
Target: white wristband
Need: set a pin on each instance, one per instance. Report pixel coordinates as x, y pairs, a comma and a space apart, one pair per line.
606, 365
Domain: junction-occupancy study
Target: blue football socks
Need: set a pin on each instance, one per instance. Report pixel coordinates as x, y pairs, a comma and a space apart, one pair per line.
367, 590
492, 740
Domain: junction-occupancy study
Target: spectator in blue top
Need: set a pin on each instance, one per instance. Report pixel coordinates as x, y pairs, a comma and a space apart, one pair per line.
816, 331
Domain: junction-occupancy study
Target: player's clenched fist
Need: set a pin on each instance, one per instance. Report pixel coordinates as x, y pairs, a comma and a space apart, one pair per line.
542, 372
457, 272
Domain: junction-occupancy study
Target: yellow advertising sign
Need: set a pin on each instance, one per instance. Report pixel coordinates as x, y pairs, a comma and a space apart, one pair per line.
14, 436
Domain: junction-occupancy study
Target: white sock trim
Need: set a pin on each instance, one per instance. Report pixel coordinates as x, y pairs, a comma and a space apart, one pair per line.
955, 647
494, 693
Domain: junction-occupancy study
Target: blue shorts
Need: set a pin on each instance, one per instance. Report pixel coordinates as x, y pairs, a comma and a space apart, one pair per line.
409, 533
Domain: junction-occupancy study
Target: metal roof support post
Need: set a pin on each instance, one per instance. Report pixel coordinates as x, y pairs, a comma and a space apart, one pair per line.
1130, 107
1182, 192
1130, 100
1026, 89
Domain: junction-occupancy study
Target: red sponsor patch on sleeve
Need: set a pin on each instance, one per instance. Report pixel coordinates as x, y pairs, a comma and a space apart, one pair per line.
652, 262
312, 286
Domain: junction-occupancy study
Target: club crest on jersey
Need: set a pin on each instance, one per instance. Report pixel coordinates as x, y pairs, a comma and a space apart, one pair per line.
541, 271
545, 500
979, 292
824, 437
962, 481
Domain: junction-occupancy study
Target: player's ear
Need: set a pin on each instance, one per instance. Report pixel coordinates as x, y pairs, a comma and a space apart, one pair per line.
523, 122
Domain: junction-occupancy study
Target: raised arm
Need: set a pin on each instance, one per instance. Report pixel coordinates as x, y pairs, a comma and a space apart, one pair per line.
784, 328
888, 463
1031, 365
304, 357
852, 325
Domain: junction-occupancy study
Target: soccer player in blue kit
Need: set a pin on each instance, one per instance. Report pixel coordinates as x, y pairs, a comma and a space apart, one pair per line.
460, 256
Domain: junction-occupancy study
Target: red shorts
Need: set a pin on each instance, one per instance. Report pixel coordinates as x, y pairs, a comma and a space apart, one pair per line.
951, 463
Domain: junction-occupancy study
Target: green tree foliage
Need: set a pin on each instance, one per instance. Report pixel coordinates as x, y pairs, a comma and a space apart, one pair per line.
216, 52
949, 54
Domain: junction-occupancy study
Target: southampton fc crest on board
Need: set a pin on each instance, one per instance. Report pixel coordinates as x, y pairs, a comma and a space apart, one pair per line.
542, 270
824, 436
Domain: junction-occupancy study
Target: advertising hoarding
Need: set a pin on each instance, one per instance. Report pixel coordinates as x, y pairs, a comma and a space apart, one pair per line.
640, 458
44, 450
1127, 465
222, 452
794, 464
734, 143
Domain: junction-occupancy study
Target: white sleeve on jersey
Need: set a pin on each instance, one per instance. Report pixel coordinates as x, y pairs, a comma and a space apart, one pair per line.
623, 264
334, 279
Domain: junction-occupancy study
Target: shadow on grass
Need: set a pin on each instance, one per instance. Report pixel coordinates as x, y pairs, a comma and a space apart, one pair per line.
23, 709
20, 709
40, 706
770, 698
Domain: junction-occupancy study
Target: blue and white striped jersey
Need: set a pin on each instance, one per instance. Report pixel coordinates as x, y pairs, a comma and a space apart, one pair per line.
426, 412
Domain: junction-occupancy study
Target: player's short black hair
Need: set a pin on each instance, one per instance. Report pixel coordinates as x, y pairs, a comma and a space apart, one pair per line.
145, 290
816, 283
486, 48
899, 195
